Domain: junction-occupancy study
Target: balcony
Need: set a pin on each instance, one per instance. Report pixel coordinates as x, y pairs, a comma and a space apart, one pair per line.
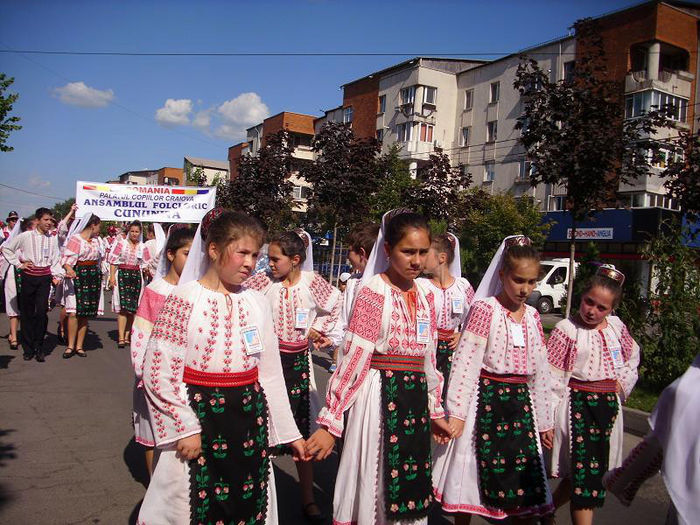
651, 182
678, 83
303, 153
418, 150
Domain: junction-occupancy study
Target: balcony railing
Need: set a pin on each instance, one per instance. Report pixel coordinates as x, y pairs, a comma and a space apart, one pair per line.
678, 83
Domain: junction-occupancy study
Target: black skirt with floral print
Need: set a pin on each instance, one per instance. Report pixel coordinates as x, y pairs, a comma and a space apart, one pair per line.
228, 483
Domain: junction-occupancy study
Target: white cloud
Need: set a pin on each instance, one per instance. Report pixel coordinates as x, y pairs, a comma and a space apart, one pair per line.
80, 94
38, 182
202, 120
227, 131
244, 110
174, 112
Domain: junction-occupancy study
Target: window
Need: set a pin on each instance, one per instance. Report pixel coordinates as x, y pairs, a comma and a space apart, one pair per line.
382, 104
557, 202
638, 200
300, 192
429, 95
489, 171
492, 131
558, 276
426, 132
569, 71
464, 139
468, 99
404, 132
380, 135
638, 104
526, 170
299, 140
347, 115
495, 92
408, 95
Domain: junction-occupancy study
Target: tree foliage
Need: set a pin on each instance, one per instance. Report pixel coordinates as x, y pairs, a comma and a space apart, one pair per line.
397, 186
7, 124
683, 174
61, 209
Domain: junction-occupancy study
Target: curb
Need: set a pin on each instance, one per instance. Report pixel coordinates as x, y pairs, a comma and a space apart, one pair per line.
636, 421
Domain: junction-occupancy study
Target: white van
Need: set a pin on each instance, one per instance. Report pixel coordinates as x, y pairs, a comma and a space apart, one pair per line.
551, 285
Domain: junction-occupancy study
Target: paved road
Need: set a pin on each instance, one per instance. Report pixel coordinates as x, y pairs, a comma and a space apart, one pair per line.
67, 454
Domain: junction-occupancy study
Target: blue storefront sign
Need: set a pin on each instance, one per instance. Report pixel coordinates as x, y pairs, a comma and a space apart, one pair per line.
605, 226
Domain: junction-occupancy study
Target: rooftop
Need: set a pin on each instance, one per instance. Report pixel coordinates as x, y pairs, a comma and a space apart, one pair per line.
208, 163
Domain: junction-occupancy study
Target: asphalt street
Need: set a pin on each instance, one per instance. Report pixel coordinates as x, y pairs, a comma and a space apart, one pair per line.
67, 454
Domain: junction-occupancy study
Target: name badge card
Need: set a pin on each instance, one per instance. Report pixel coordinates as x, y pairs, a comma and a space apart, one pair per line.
616, 354
516, 331
423, 330
301, 318
457, 306
251, 340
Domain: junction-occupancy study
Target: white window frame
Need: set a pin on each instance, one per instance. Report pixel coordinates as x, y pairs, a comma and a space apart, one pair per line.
429, 131
347, 115
404, 132
408, 95
382, 103
426, 90
465, 136
489, 171
380, 135
494, 92
468, 99
526, 169
491, 131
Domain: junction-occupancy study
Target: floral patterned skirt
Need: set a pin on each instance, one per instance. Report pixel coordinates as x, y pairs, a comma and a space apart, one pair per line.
295, 368
129, 290
508, 459
593, 417
443, 358
88, 288
228, 483
408, 491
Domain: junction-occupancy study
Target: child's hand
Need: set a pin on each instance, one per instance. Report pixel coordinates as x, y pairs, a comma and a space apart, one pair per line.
442, 433
547, 439
457, 427
320, 444
189, 447
299, 450
454, 340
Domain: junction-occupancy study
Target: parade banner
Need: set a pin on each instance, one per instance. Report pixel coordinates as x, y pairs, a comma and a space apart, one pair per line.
150, 203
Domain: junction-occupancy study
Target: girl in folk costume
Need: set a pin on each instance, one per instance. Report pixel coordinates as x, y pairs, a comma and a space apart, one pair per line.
13, 284
498, 399
594, 363
389, 385
82, 286
213, 378
152, 249
304, 308
167, 276
453, 296
126, 262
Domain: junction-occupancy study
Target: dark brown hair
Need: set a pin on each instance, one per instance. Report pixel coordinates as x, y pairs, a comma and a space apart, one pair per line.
178, 239
94, 219
291, 244
606, 283
363, 236
400, 224
516, 253
229, 226
443, 244
135, 223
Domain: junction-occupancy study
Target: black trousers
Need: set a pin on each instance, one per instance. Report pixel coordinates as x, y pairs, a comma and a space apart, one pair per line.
33, 311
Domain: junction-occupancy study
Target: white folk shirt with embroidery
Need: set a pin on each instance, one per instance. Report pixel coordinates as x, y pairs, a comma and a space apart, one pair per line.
78, 249
487, 343
202, 329
381, 323
337, 334
459, 289
584, 354
40, 249
312, 292
125, 252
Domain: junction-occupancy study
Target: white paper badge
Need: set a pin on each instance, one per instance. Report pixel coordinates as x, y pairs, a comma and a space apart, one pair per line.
616, 354
422, 330
516, 331
301, 318
251, 340
457, 306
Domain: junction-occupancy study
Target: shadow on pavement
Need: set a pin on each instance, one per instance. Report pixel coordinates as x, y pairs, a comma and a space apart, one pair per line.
5, 360
92, 340
135, 460
7, 451
113, 335
135, 513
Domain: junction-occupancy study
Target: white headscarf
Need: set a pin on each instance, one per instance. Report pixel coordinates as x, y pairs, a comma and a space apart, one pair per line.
456, 264
378, 261
160, 236
197, 261
78, 225
490, 284
308, 264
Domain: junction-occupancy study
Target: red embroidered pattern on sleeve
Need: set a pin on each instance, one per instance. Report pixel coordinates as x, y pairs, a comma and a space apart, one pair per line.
626, 342
561, 350
469, 295
479, 322
321, 291
539, 326
366, 320
171, 325
430, 297
259, 281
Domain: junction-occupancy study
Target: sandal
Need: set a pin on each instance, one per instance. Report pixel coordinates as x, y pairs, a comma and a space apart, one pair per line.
80, 352
120, 343
60, 335
13, 345
318, 517
68, 353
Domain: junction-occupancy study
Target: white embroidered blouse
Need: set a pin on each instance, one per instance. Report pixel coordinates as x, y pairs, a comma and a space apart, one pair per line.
202, 329
311, 292
447, 300
586, 354
41, 249
78, 249
488, 343
124, 252
381, 323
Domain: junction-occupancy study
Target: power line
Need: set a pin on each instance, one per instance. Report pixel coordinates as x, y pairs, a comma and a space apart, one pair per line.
32, 192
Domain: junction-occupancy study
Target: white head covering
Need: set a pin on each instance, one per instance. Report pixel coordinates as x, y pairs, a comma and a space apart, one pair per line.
490, 284
456, 264
308, 264
197, 261
15, 230
378, 261
160, 236
78, 225
344, 277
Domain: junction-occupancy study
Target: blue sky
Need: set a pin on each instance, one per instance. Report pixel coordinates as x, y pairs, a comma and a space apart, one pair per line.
95, 117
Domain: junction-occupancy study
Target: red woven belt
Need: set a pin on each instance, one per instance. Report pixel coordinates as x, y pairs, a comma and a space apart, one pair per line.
36, 271
87, 263
293, 348
504, 378
128, 267
605, 385
445, 335
196, 377
403, 363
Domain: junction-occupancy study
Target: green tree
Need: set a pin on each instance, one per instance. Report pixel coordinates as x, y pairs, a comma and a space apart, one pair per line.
7, 124
490, 218
397, 186
574, 133
61, 209
683, 173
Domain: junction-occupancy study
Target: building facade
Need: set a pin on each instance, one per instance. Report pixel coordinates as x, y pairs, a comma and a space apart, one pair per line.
213, 170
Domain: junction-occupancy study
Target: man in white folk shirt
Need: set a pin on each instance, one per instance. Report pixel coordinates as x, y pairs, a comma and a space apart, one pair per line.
40, 266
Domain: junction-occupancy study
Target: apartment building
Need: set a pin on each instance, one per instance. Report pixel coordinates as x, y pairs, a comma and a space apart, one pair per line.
301, 133
163, 176
213, 170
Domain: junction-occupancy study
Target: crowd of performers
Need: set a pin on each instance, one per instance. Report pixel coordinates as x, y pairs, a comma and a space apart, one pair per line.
224, 378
